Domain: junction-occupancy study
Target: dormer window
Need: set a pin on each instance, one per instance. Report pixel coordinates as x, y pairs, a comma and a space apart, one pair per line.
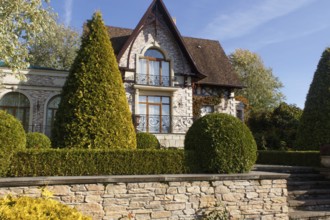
154, 69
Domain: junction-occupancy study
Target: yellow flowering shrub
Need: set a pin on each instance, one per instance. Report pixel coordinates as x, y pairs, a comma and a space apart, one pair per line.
27, 208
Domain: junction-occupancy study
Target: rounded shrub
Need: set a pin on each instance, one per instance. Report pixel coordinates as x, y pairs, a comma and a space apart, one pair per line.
147, 141
37, 140
36, 208
12, 139
223, 143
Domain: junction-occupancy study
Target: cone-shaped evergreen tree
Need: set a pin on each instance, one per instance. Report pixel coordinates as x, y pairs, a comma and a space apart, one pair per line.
314, 128
94, 111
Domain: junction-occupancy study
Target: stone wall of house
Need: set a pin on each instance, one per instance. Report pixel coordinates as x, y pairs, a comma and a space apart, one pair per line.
39, 86
244, 196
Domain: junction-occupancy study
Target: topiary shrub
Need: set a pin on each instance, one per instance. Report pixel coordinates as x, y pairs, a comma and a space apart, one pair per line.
12, 139
147, 141
313, 130
94, 112
37, 140
28, 208
223, 143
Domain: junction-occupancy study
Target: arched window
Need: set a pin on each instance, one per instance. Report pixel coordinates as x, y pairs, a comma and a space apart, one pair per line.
18, 105
154, 69
50, 114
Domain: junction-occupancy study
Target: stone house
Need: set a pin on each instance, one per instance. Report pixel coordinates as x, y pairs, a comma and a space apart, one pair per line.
169, 79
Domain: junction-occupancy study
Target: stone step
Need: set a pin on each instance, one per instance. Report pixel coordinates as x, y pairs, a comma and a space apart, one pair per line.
305, 177
309, 215
284, 169
310, 204
304, 185
309, 194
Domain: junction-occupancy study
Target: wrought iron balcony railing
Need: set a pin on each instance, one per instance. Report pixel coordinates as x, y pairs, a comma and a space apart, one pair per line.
162, 123
153, 80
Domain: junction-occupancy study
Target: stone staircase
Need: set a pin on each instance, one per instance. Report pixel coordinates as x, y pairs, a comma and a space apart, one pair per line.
308, 191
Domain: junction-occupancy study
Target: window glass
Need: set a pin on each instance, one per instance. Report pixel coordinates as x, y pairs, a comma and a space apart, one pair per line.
165, 69
154, 114
52, 107
165, 109
154, 53
143, 66
207, 109
166, 100
143, 98
154, 99
17, 105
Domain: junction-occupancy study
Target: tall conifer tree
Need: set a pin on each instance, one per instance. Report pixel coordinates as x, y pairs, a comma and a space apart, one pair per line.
314, 129
94, 111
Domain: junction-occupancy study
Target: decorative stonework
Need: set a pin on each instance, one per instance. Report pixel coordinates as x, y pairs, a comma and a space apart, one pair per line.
245, 196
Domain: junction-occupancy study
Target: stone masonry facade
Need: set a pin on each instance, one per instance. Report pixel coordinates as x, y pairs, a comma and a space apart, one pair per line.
244, 198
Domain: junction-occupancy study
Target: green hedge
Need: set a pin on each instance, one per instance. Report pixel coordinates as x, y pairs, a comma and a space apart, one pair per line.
79, 162
289, 158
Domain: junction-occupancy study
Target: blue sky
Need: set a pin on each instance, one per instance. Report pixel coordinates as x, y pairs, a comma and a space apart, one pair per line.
289, 35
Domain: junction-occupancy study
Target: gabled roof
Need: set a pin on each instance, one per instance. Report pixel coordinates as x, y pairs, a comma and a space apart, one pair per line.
156, 8
206, 57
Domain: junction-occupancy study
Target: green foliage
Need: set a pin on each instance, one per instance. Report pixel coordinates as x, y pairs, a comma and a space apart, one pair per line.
289, 158
314, 127
37, 140
223, 144
21, 23
262, 87
276, 129
28, 208
12, 139
94, 111
147, 141
217, 215
81, 162
57, 50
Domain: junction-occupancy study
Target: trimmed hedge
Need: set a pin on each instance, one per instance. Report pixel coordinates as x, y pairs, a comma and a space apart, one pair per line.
223, 143
289, 158
147, 141
12, 139
80, 162
37, 140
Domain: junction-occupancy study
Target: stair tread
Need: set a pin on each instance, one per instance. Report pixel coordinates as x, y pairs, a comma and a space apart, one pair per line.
308, 202
308, 214
309, 191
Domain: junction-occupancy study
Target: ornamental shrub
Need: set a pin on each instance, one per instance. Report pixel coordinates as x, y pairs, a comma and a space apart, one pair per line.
12, 139
37, 140
28, 208
314, 127
147, 141
223, 143
94, 112
96, 162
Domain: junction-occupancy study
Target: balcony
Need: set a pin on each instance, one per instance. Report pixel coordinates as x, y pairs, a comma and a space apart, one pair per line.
162, 124
153, 80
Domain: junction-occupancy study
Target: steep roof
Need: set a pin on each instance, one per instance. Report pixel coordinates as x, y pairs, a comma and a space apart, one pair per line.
206, 57
212, 62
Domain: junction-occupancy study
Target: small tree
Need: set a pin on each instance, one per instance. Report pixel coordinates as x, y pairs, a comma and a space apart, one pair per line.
315, 121
262, 87
94, 111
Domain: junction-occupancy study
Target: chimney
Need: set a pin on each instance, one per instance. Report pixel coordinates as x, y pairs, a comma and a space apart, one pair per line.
174, 20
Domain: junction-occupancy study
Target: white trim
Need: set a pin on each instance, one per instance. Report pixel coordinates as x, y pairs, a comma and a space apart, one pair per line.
156, 88
24, 87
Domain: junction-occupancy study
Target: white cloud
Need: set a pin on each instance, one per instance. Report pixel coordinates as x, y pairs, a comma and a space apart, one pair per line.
242, 22
68, 12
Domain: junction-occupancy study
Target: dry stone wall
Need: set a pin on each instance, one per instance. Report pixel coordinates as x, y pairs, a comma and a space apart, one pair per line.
244, 196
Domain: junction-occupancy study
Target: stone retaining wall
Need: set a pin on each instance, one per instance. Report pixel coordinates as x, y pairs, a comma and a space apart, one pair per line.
246, 196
